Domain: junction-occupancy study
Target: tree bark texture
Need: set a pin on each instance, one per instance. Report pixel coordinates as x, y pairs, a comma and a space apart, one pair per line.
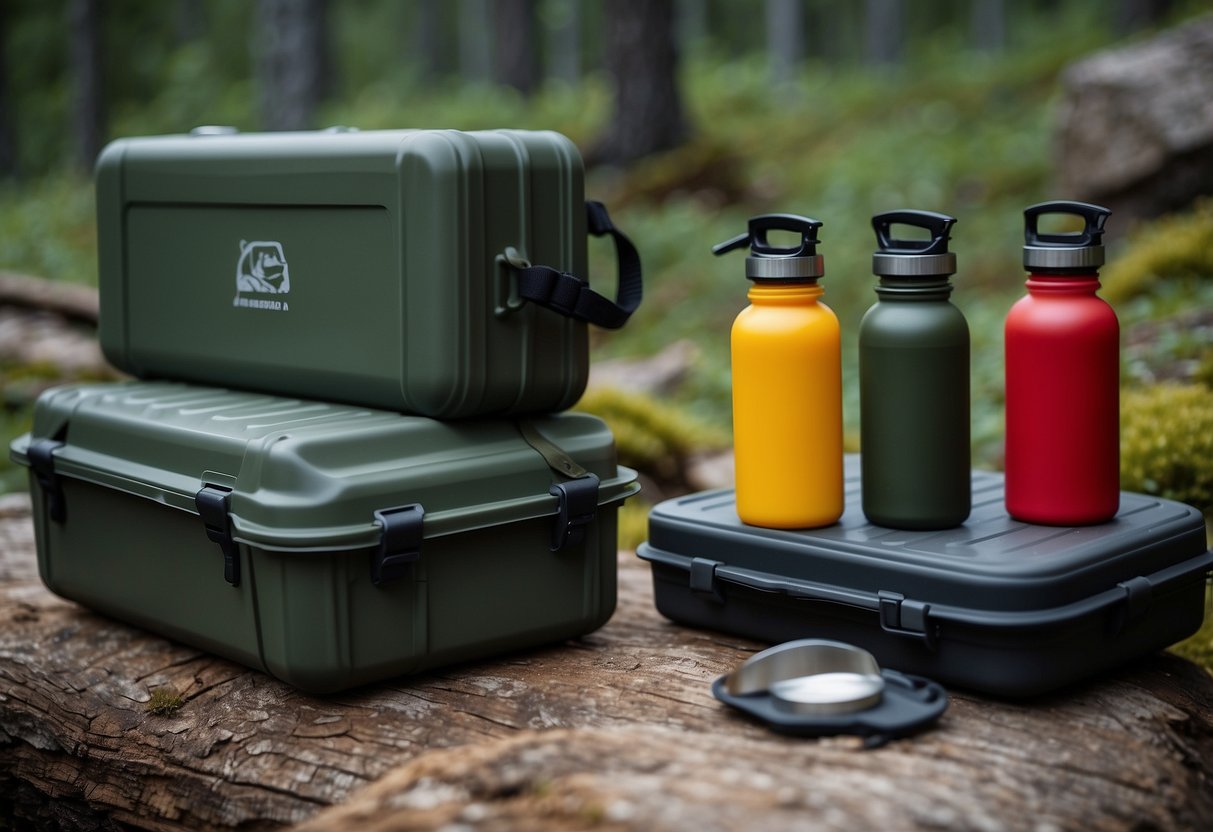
614, 731
641, 57
290, 56
515, 47
88, 99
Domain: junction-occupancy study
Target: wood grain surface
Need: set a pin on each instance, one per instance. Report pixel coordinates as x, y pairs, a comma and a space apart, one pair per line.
617, 730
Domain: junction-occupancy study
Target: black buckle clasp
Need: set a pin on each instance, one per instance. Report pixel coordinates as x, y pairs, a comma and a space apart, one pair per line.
578, 508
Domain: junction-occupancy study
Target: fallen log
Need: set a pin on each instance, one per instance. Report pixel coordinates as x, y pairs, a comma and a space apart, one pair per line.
67, 300
613, 731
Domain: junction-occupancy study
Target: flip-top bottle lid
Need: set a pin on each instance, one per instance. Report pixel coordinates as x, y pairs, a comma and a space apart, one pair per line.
793, 264
1081, 251
913, 258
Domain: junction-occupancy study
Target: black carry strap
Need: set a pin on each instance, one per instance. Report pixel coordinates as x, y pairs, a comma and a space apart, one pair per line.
572, 296
576, 493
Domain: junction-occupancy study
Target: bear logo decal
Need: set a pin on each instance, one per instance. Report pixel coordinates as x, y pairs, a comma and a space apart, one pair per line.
262, 276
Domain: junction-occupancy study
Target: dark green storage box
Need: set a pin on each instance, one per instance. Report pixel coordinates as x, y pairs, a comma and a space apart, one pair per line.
366, 267
329, 546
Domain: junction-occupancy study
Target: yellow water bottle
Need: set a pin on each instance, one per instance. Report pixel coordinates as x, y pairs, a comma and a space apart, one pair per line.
787, 383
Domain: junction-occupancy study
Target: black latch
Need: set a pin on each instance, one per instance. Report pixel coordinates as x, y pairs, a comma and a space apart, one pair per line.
577, 509
400, 543
1137, 599
41, 454
703, 579
904, 617
212, 503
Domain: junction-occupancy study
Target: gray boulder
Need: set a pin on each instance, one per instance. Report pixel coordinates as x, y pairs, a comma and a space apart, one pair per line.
1135, 127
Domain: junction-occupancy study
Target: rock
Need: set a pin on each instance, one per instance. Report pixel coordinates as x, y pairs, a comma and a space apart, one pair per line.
1135, 128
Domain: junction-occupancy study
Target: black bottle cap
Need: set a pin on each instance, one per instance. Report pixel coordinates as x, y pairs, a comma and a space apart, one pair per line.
795, 264
1080, 252
913, 258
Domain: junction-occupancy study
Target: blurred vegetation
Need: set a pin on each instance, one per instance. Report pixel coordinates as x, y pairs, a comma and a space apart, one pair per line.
1166, 443
1177, 249
952, 129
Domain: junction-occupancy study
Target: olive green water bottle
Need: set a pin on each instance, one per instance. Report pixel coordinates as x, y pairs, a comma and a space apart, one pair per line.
914, 382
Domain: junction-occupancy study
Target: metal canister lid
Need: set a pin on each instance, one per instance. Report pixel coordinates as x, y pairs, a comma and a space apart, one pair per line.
1081, 251
913, 258
816, 687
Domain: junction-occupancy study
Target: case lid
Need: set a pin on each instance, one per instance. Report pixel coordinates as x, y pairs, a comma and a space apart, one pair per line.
991, 570
309, 476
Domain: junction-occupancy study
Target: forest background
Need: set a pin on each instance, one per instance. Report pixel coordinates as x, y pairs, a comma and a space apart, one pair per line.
692, 115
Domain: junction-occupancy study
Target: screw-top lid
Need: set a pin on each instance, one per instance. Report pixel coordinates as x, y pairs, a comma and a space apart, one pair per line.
796, 264
913, 258
1080, 251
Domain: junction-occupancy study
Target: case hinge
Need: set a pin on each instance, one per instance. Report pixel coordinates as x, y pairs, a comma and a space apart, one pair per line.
904, 617
400, 543
577, 509
41, 454
213, 503
703, 579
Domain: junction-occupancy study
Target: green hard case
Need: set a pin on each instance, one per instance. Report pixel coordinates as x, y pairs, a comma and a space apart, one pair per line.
327, 545
366, 267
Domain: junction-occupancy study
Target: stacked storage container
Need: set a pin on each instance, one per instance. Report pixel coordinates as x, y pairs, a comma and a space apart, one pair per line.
345, 460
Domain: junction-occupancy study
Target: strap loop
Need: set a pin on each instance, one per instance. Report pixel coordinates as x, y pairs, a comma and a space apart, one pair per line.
572, 296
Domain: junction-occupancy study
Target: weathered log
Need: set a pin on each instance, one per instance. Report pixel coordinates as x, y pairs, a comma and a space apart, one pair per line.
48, 324
613, 731
68, 300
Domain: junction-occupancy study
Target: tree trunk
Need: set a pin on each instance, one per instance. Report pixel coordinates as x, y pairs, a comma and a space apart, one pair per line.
430, 41
564, 42
613, 731
515, 47
475, 40
290, 54
641, 57
88, 90
987, 25
1134, 15
785, 39
8, 119
884, 31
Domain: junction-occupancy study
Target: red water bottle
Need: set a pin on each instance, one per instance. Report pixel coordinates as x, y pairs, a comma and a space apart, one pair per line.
1063, 378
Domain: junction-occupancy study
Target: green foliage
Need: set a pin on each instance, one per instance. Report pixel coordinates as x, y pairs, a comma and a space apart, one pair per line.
650, 435
13, 423
1166, 443
1173, 249
164, 702
50, 228
634, 523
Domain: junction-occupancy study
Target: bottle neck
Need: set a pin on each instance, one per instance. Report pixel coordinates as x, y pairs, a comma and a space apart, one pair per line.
1070, 284
784, 294
913, 289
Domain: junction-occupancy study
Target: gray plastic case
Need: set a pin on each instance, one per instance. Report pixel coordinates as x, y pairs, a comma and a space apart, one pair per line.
995, 605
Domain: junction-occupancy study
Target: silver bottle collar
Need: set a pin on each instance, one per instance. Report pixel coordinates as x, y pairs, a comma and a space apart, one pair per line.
913, 265
1056, 257
785, 268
